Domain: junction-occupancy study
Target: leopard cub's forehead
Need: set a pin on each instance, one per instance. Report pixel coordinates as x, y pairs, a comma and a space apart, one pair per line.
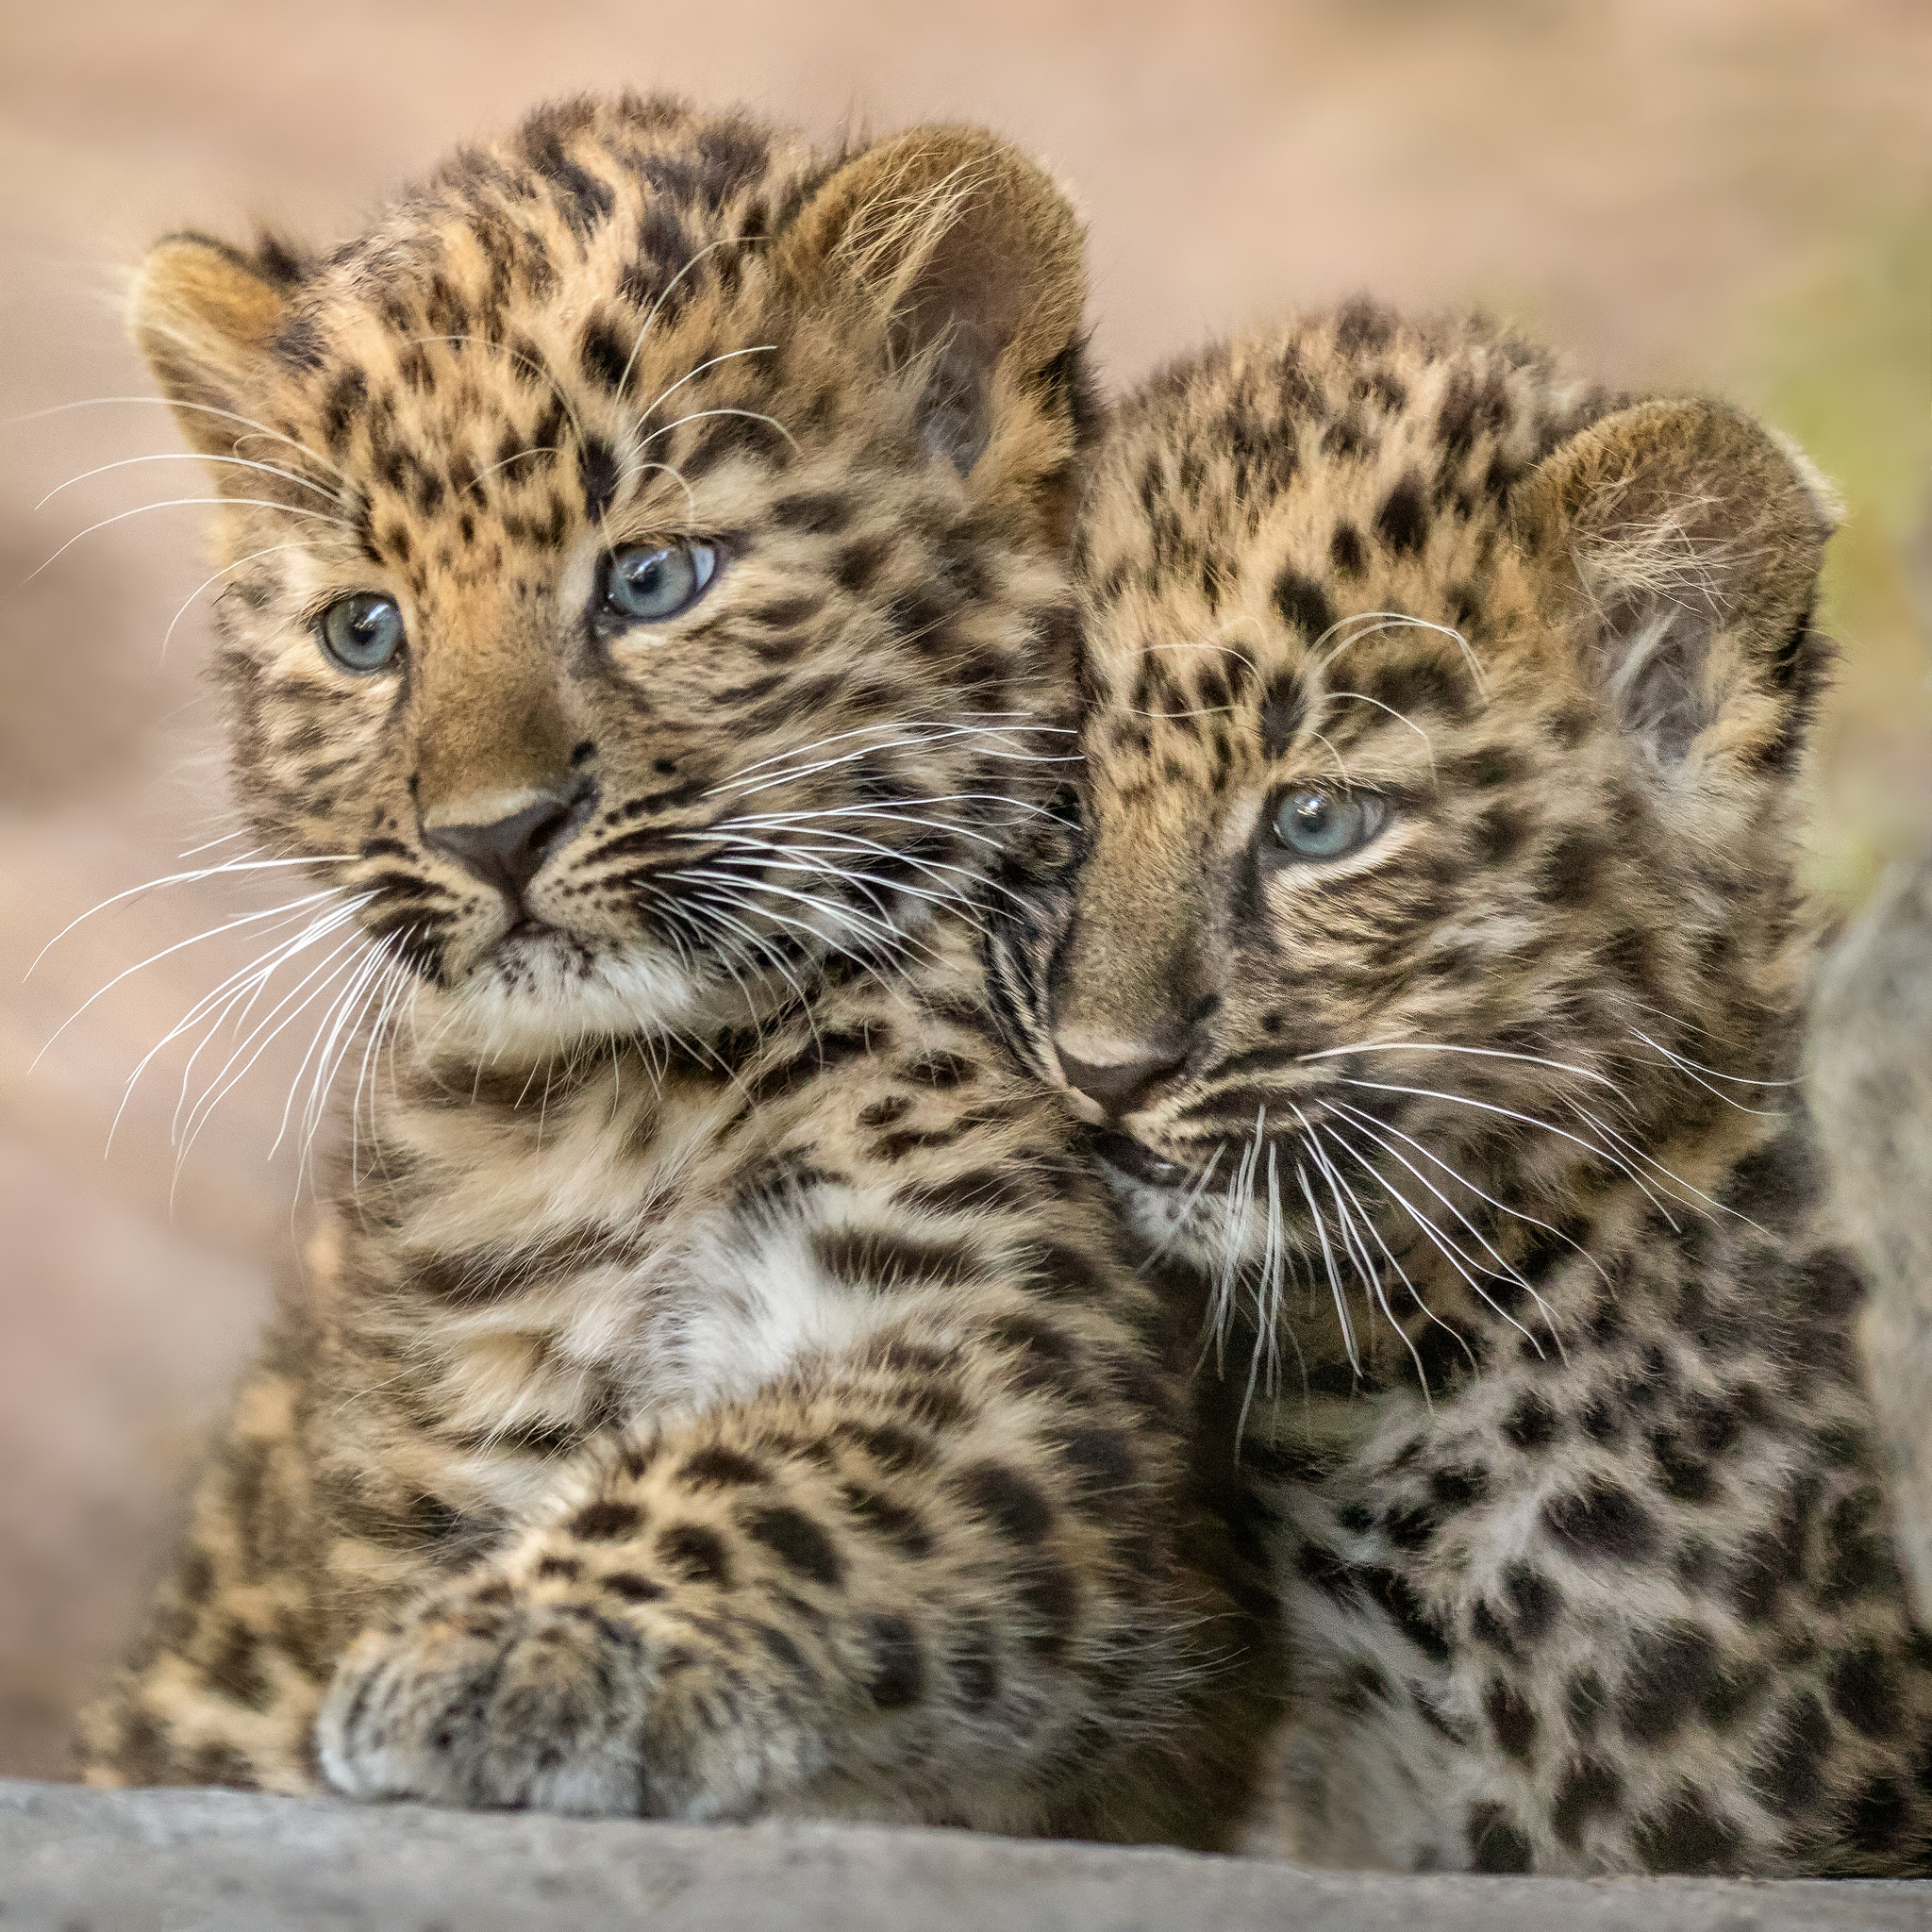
1252, 496
508, 313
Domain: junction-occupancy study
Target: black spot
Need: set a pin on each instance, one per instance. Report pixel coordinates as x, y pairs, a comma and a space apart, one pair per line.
565, 1569
1879, 1814
1362, 1685
1411, 1615
607, 1522
1788, 1776
215, 1764
236, 1673
1070, 1276
597, 472
1531, 1424
1670, 1671
898, 1669
1511, 1719
1864, 1691
1283, 707
633, 1589
696, 1553
785, 1653
1304, 604
1572, 871
1012, 1505
1104, 1457
1601, 1523
197, 1576
1534, 1600
972, 1658
1347, 552
888, 1262
1052, 1593
1686, 1836
606, 357
1403, 522
817, 512
1589, 1786
1410, 1526
797, 1542
719, 1468
873, 1510
1496, 1842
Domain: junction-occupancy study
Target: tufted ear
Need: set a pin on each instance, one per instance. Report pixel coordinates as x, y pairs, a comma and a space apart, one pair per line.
204, 315
972, 252
1682, 541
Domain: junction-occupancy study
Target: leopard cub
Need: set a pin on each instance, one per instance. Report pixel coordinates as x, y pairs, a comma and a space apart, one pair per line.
717, 1388
1434, 975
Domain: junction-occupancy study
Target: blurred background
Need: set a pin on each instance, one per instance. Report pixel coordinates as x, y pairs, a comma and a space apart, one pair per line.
1728, 195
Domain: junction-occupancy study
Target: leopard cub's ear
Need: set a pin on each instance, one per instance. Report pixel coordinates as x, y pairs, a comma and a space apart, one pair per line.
975, 256
1680, 543
205, 314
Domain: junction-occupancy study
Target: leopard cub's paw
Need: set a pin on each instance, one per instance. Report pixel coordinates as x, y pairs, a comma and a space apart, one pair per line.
483, 1696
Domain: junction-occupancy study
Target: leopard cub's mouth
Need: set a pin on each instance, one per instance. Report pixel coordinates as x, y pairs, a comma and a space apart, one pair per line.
1139, 1162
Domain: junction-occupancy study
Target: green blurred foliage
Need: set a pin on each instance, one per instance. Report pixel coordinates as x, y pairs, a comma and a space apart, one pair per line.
1844, 366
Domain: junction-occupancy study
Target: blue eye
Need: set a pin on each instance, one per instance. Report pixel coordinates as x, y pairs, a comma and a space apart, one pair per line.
1318, 823
648, 582
363, 633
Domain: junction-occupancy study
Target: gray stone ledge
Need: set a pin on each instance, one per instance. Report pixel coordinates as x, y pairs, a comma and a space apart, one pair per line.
222, 1861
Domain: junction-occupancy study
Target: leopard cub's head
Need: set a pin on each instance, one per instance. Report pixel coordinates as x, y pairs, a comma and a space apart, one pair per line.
644, 552
1437, 800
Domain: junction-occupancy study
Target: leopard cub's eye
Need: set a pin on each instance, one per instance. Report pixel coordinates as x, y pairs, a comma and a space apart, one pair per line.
363, 633
1318, 822
646, 583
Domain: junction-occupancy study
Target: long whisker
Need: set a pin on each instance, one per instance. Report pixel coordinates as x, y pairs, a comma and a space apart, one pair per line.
166, 952
763, 349
187, 457
1503, 1268
205, 871
699, 415
1346, 1200
1594, 1149
254, 556
1491, 1053
199, 410
1364, 698
1354, 1360
1696, 1076
288, 509
1376, 1128
664, 296
1455, 1257
222, 1000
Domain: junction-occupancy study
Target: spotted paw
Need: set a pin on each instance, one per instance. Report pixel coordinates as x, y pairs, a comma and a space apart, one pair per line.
476, 1698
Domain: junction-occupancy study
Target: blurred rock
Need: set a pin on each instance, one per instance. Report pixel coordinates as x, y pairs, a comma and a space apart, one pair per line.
220, 1861
1870, 1091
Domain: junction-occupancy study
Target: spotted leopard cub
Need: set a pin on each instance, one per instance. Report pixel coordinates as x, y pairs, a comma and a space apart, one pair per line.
1434, 973
717, 1390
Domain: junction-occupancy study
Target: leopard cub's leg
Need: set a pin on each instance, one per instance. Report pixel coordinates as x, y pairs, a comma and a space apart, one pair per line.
224, 1683
920, 1584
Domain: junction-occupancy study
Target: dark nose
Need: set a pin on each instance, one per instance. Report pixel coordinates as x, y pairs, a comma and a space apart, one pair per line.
509, 853
1121, 1085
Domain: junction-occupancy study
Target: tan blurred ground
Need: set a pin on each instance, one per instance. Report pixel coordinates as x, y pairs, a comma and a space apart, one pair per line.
1728, 195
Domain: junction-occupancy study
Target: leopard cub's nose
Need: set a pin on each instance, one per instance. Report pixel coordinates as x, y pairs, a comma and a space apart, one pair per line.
508, 852
1118, 1073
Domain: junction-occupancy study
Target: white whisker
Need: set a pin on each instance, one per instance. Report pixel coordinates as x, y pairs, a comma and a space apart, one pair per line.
186, 502
187, 457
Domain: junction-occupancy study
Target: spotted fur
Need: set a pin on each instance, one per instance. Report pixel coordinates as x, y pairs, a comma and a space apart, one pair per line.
718, 1390
1473, 1143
